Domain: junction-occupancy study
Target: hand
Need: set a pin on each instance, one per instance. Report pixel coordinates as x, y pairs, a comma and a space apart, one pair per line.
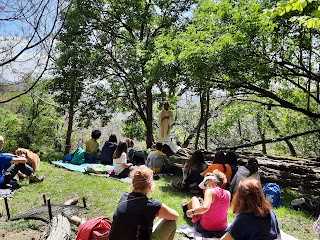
189, 213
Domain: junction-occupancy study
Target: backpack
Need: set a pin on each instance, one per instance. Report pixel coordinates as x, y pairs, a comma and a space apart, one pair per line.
78, 157
272, 193
94, 229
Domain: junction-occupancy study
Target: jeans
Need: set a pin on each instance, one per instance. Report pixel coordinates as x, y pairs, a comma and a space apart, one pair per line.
13, 170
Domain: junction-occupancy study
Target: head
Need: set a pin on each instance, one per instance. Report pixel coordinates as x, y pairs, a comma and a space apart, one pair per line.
252, 165
231, 158
214, 179
22, 152
113, 138
1, 142
142, 179
197, 157
166, 106
129, 142
249, 198
121, 148
219, 157
96, 134
159, 146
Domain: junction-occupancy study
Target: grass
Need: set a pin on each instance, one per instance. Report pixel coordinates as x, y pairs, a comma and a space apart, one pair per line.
103, 194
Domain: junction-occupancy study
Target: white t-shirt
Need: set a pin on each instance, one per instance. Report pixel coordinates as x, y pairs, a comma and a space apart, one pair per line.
117, 163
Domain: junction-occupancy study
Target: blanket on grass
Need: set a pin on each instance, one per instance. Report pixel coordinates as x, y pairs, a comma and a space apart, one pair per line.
94, 169
6, 193
80, 168
193, 234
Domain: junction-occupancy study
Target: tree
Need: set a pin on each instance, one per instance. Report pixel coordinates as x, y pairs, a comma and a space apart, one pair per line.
242, 51
126, 41
28, 31
73, 64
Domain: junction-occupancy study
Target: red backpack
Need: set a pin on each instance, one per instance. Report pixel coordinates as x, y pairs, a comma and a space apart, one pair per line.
94, 229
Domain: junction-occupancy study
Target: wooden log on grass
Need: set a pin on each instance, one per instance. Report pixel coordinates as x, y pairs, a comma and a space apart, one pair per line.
60, 228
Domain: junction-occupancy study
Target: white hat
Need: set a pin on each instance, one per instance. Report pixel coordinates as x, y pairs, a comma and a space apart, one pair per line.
213, 177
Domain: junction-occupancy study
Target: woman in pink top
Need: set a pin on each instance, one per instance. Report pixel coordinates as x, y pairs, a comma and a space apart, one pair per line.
211, 214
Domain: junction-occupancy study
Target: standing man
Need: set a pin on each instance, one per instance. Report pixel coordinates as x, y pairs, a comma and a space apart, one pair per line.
165, 121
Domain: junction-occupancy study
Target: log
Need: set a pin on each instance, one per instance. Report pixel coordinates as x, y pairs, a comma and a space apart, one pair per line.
75, 220
60, 228
302, 174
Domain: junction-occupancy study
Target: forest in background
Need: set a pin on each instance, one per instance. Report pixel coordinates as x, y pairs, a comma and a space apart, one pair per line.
236, 74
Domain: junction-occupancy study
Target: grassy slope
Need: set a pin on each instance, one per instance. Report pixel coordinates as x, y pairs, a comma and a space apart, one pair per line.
103, 194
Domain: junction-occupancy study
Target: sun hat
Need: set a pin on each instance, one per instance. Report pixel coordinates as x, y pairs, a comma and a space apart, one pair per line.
212, 177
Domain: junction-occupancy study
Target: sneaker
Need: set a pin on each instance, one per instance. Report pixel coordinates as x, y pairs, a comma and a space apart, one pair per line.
184, 206
34, 178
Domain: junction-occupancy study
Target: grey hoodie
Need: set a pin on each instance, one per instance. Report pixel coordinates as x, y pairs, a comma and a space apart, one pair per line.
242, 173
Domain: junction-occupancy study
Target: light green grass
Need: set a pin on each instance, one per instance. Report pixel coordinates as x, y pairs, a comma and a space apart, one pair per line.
102, 195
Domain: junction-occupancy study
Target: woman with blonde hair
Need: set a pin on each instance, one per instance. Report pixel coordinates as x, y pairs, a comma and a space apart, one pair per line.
211, 215
255, 219
133, 219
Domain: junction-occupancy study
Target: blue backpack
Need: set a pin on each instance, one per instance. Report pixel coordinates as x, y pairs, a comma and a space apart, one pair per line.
272, 193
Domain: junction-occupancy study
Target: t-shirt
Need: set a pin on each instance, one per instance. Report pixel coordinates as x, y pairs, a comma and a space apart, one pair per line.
107, 152
92, 146
117, 163
4, 161
220, 167
247, 226
215, 219
133, 219
156, 160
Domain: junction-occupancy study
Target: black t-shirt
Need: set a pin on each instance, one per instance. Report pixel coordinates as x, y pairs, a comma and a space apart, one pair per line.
133, 219
247, 226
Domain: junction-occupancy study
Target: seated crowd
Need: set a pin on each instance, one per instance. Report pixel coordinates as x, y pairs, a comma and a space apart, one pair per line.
136, 211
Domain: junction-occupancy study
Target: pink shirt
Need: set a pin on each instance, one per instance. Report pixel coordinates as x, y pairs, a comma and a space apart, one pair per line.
215, 219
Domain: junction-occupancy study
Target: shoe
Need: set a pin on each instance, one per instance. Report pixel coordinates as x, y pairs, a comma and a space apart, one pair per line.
184, 206
34, 178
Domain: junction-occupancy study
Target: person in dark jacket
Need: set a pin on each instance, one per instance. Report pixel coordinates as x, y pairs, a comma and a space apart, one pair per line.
108, 149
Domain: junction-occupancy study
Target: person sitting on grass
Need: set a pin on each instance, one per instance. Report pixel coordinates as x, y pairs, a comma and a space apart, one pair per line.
108, 150
255, 218
121, 167
17, 164
219, 163
191, 172
135, 157
92, 147
157, 160
210, 215
231, 159
135, 213
249, 170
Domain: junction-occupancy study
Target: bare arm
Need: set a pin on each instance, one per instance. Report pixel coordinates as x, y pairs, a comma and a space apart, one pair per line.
19, 160
209, 197
168, 213
227, 236
126, 165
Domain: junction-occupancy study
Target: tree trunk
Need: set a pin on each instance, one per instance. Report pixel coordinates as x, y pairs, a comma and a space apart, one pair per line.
262, 135
200, 123
69, 130
206, 120
149, 119
287, 141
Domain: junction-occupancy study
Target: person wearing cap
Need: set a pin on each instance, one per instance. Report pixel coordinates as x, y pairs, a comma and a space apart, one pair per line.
211, 214
133, 219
